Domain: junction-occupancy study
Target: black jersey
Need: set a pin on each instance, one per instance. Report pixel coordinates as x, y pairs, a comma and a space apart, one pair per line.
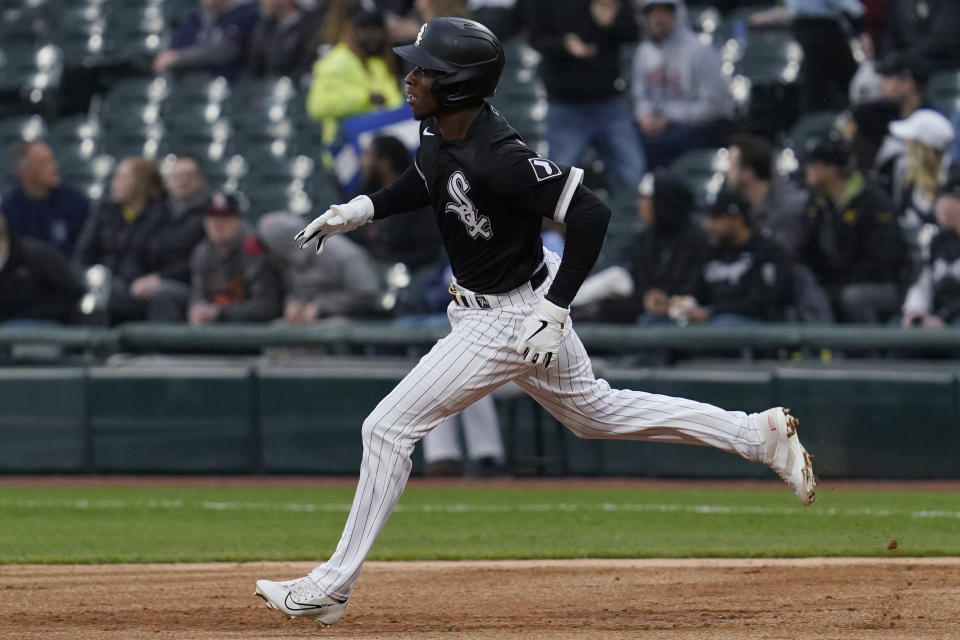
489, 192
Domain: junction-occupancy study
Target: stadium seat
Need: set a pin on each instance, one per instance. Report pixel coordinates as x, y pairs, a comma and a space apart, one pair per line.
703, 170
21, 128
810, 126
943, 90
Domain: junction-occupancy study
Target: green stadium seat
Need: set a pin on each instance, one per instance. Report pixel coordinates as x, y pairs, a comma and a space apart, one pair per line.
943, 90
703, 170
810, 126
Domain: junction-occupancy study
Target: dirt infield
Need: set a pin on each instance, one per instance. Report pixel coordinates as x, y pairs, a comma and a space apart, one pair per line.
901, 598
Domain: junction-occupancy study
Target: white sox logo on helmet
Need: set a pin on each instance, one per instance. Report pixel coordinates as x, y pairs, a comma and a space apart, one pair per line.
463, 208
420, 35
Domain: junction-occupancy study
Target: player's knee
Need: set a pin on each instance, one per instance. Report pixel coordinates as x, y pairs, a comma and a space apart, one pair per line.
373, 429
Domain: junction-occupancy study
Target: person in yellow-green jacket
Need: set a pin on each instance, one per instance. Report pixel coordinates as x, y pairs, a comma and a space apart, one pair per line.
353, 77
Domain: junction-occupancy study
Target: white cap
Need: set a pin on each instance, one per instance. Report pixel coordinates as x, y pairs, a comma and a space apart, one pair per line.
925, 126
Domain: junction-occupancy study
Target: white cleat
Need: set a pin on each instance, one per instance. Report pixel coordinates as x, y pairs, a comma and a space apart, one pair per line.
301, 598
784, 454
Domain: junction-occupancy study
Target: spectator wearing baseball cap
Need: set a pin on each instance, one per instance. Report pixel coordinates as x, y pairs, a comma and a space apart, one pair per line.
919, 174
746, 277
231, 278
852, 241
285, 41
934, 298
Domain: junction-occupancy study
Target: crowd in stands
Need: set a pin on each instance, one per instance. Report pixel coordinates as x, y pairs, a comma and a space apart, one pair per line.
861, 228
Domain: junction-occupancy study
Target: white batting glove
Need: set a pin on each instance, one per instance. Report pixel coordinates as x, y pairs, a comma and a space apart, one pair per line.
541, 334
339, 218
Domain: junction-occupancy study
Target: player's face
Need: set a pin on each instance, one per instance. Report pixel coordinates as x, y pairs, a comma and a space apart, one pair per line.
417, 85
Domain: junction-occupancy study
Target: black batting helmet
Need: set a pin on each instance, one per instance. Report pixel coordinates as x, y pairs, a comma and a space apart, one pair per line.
468, 55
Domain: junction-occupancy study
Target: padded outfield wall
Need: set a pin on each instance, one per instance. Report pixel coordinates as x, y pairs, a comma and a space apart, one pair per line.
263, 419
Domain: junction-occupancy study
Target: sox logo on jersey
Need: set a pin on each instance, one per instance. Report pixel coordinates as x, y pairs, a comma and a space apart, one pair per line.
463, 208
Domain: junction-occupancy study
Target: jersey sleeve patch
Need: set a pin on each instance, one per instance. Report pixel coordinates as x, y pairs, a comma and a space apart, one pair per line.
544, 169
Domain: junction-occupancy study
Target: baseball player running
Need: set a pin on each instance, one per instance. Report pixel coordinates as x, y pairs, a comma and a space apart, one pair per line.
509, 312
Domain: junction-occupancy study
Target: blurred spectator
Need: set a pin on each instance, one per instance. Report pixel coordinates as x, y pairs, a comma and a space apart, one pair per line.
745, 278
904, 82
679, 91
580, 42
823, 28
926, 28
286, 39
40, 206
119, 232
405, 17
500, 16
35, 281
777, 206
665, 259
341, 281
353, 77
213, 39
166, 288
231, 278
852, 240
412, 238
926, 134
875, 151
934, 299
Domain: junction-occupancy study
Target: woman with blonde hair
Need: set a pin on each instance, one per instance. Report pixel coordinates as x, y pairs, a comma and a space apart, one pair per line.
117, 235
926, 135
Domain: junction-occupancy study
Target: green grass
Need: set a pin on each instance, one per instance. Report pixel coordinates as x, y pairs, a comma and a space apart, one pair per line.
164, 524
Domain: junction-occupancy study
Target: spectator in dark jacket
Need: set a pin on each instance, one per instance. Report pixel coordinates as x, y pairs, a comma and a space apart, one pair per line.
41, 206
411, 238
213, 39
35, 281
926, 28
119, 233
231, 278
665, 261
285, 41
166, 288
852, 240
934, 299
746, 277
580, 42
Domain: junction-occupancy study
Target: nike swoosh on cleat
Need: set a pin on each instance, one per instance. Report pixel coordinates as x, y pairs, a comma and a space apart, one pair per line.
300, 606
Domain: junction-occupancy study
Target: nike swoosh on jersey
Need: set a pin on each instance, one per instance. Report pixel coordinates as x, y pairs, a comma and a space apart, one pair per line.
293, 605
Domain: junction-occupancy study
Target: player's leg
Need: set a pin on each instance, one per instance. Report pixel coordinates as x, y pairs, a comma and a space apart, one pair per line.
460, 369
591, 409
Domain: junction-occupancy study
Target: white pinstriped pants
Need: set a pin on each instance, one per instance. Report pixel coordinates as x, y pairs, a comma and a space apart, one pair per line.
470, 362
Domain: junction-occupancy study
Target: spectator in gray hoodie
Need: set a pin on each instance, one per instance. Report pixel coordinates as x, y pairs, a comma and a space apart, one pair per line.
341, 281
777, 206
679, 91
